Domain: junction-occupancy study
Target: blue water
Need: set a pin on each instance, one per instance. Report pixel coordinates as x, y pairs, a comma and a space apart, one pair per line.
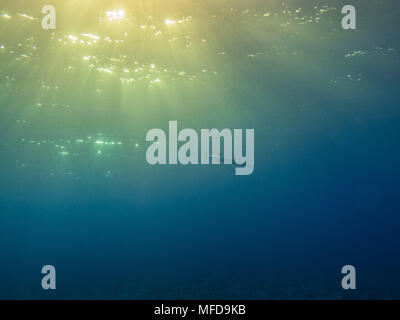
323, 102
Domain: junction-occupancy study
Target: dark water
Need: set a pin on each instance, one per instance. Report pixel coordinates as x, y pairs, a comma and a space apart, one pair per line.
76, 191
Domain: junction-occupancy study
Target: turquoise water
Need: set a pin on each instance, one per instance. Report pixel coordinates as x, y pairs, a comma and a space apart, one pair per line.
76, 191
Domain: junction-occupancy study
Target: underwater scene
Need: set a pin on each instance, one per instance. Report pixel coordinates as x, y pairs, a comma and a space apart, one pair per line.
76, 190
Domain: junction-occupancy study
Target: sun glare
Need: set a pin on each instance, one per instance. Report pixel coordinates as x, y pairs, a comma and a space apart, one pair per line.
169, 21
115, 15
